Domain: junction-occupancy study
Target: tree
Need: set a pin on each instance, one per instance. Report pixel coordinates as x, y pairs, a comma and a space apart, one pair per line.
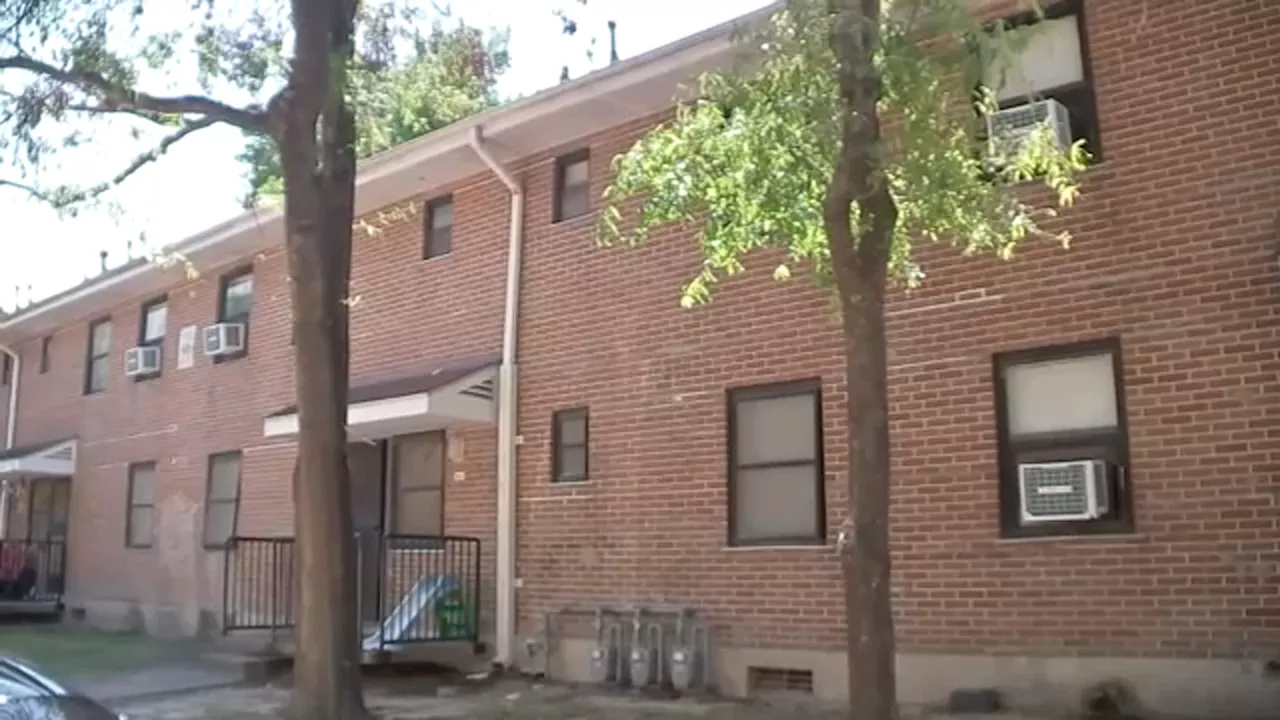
847, 136
286, 72
449, 74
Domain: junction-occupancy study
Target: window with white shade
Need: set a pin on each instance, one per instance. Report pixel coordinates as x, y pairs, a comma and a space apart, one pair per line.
1047, 59
152, 326
1063, 404
776, 488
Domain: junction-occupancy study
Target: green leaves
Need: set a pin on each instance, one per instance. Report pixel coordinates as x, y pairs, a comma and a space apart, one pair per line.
756, 177
442, 77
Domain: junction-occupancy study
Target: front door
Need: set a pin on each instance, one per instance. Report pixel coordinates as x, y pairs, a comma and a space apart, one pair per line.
418, 467
48, 506
365, 461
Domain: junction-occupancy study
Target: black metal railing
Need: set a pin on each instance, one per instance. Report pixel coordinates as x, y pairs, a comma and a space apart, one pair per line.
33, 570
257, 583
426, 589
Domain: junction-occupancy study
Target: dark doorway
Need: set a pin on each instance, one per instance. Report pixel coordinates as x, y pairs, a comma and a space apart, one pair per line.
367, 464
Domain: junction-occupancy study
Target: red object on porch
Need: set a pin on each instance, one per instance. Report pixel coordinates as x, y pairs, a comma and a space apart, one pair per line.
13, 556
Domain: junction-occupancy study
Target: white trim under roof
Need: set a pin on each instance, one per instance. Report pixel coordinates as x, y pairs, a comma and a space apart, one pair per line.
625, 92
468, 400
52, 460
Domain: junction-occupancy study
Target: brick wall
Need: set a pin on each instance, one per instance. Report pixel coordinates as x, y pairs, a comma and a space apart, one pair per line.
1175, 249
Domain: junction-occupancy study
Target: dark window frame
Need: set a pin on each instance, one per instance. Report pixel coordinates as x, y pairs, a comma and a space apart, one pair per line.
225, 282
91, 357
46, 352
736, 395
1111, 445
209, 500
433, 247
558, 444
562, 164
130, 505
143, 313
1080, 98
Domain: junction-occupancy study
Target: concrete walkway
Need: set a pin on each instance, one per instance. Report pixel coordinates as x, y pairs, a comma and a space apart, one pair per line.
501, 700
160, 681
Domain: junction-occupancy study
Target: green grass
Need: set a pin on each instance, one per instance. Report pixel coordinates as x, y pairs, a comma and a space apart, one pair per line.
78, 654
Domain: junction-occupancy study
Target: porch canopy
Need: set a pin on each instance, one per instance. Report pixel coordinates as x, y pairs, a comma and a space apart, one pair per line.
49, 459
453, 393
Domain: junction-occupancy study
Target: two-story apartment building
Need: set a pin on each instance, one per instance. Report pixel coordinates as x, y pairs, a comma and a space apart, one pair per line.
646, 456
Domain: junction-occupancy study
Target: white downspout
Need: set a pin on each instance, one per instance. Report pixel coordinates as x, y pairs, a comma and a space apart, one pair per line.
507, 409
11, 432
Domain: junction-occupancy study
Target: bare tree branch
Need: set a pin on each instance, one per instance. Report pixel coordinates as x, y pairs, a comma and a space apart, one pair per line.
112, 95
28, 189
66, 196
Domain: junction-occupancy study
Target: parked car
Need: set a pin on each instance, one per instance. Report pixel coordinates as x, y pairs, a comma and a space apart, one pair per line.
27, 693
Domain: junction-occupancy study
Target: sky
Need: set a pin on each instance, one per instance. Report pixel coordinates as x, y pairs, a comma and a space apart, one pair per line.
197, 183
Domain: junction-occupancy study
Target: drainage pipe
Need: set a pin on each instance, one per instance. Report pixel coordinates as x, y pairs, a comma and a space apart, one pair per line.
507, 408
11, 431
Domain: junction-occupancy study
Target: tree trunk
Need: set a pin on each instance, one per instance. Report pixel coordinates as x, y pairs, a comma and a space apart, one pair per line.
319, 175
860, 257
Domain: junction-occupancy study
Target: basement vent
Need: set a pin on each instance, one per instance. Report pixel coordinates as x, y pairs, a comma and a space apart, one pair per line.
773, 680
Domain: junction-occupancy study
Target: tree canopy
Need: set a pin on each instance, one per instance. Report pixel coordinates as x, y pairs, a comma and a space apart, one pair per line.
75, 71
445, 75
751, 160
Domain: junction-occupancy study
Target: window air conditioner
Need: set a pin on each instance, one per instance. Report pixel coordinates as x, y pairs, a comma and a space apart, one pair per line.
1076, 490
142, 360
1008, 129
223, 339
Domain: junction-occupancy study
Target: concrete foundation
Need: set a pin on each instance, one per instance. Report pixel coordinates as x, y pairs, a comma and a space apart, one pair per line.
1172, 688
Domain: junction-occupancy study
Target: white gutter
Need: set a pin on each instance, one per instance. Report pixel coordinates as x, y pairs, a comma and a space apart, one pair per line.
507, 407
11, 432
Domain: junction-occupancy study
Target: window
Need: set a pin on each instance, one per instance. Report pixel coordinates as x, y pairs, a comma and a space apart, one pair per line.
151, 329
1050, 62
6, 368
1062, 404
417, 471
222, 499
142, 505
235, 301
776, 479
569, 446
99, 360
437, 231
46, 352
573, 186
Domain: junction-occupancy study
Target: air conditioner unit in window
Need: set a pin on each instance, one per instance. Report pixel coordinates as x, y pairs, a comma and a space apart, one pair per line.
223, 339
141, 361
1008, 129
1076, 490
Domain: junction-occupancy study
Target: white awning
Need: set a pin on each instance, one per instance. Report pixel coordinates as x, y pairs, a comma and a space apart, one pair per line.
460, 393
51, 459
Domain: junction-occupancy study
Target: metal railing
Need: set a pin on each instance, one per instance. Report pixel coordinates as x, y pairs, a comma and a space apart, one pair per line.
427, 588
33, 570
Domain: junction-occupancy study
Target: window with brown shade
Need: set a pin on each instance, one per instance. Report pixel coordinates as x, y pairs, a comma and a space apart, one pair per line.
569, 446
1062, 404
437, 231
776, 488
139, 523
418, 467
573, 186
222, 499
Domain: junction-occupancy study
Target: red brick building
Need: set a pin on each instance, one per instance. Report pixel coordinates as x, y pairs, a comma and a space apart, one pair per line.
663, 458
